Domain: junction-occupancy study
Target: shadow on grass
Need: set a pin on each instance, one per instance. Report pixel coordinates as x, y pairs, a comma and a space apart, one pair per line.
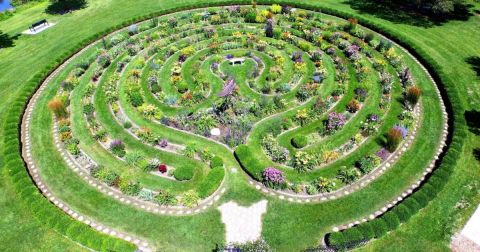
474, 62
473, 121
65, 6
408, 14
7, 40
476, 154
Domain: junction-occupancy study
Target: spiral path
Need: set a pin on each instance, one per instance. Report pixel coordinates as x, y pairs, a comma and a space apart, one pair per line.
312, 107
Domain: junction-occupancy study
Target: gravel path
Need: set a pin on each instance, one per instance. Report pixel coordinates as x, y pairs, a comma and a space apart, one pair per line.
242, 224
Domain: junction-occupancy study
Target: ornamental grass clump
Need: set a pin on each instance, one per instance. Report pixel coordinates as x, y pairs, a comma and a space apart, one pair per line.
394, 137
57, 106
273, 178
413, 95
353, 106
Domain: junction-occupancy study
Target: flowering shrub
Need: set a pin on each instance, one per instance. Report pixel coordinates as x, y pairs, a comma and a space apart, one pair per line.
335, 121
165, 198
370, 125
162, 168
368, 163
273, 149
190, 198
117, 148
383, 154
163, 143
150, 111
273, 178
324, 184
303, 161
352, 52
348, 175
302, 116
361, 94
405, 76
131, 188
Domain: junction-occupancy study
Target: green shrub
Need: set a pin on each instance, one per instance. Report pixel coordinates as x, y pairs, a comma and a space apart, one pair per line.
299, 141
412, 205
131, 188
190, 198
210, 184
379, 227
421, 198
367, 230
402, 212
352, 235
165, 198
216, 162
391, 219
183, 173
336, 239
250, 164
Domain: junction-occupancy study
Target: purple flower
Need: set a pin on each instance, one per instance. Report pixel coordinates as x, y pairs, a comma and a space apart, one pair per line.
297, 57
257, 59
335, 121
233, 8
383, 154
116, 144
372, 118
331, 51
228, 88
402, 129
163, 143
182, 58
215, 65
272, 175
352, 51
229, 56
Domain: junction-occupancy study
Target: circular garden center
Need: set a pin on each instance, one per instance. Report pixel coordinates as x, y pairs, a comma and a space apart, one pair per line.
160, 124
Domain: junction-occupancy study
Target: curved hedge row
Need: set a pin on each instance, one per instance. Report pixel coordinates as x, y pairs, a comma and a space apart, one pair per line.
251, 165
208, 186
55, 219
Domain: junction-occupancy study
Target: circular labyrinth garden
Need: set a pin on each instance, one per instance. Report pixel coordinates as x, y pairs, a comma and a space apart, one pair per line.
174, 115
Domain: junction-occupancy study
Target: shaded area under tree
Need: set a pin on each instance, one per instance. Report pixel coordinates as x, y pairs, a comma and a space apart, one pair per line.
406, 12
473, 121
7, 40
65, 6
474, 62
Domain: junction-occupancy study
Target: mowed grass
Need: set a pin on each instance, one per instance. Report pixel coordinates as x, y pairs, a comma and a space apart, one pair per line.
449, 44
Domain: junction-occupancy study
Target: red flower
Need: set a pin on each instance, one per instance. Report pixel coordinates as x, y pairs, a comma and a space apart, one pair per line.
162, 168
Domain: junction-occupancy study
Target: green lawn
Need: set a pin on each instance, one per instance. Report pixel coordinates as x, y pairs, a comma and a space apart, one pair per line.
449, 44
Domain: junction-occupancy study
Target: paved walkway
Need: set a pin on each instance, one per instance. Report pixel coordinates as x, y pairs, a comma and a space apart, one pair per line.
469, 237
243, 224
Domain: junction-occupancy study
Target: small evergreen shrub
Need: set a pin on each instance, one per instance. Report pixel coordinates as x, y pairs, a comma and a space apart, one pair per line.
184, 173
299, 141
